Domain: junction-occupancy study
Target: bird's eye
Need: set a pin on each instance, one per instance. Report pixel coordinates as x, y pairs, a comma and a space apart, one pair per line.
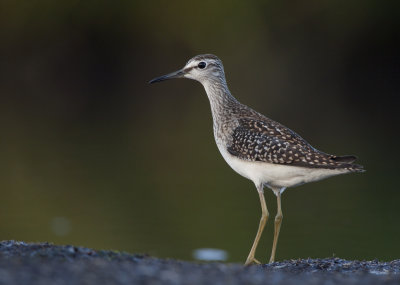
201, 65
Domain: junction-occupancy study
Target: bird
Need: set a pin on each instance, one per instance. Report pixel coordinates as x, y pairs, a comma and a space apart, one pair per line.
258, 148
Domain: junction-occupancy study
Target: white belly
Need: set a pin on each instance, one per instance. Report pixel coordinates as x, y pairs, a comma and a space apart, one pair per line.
276, 175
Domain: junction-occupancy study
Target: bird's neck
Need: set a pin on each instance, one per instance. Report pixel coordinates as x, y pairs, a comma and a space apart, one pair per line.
221, 99
223, 107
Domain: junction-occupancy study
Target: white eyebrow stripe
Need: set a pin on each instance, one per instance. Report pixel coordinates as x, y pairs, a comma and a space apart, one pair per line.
191, 64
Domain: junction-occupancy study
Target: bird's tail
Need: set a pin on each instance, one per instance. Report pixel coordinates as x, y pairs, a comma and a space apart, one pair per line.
346, 162
344, 158
352, 167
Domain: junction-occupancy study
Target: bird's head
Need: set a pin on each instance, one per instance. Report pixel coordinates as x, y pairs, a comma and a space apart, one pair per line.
203, 68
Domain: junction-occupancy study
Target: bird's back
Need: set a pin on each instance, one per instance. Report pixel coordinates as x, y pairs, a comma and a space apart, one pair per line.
253, 137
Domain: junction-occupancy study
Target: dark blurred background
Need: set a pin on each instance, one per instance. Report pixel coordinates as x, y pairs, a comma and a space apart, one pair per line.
92, 155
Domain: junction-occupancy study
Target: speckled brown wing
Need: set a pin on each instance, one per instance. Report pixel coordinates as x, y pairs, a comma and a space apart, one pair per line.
269, 141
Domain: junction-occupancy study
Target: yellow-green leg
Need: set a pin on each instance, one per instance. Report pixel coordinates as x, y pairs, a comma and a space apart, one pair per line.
278, 222
263, 221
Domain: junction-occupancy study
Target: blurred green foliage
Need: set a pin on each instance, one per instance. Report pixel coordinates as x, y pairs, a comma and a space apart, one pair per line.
134, 167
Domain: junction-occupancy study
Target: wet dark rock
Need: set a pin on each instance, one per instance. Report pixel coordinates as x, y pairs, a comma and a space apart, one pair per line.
44, 263
336, 265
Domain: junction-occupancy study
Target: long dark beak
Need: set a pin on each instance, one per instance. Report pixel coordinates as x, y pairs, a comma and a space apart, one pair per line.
176, 74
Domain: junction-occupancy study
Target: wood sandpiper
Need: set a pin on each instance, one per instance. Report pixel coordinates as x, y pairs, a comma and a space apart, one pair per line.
258, 148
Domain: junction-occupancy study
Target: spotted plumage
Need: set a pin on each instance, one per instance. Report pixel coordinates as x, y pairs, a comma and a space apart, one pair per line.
269, 141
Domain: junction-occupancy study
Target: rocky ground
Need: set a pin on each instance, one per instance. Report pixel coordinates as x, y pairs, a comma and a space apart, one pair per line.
43, 263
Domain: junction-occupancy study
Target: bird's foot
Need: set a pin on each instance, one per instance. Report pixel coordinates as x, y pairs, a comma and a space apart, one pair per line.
251, 260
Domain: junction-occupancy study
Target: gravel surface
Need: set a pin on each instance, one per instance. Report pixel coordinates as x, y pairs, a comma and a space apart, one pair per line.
44, 263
